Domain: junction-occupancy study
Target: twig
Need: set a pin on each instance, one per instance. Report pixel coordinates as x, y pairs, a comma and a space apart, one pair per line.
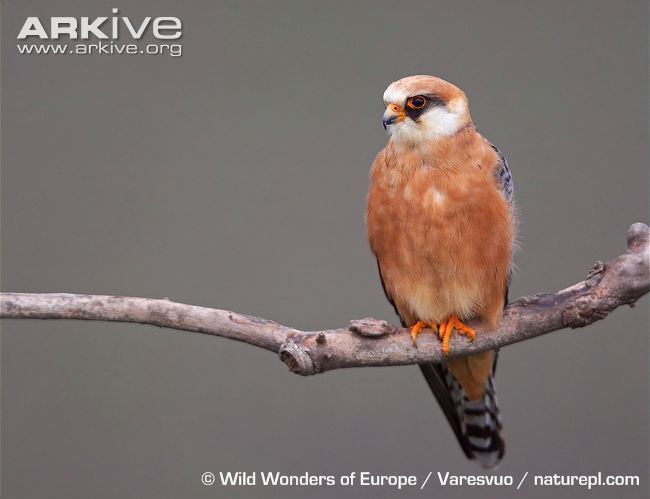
365, 342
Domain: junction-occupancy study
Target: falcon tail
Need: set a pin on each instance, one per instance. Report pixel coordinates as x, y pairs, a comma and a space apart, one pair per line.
476, 423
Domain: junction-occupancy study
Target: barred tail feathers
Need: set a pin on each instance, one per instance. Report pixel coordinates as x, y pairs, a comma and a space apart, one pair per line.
475, 423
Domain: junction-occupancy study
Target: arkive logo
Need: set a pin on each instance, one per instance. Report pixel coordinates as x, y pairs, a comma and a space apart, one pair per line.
115, 35
84, 28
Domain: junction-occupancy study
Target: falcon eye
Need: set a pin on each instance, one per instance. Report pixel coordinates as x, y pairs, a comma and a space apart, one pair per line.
416, 102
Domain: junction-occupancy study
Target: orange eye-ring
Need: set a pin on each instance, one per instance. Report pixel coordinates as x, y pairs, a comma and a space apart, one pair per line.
416, 102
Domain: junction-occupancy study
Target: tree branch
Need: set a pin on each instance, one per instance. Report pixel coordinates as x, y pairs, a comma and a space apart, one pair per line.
365, 342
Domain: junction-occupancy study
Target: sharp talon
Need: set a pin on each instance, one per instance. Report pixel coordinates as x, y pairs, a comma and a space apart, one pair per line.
418, 327
448, 326
415, 330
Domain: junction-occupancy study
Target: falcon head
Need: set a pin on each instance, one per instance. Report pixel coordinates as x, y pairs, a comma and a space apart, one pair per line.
423, 108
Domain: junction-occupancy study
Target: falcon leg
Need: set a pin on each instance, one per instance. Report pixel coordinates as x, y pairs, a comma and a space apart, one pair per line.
418, 327
446, 328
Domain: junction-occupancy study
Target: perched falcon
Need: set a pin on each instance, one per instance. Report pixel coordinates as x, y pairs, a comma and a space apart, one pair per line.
441, 224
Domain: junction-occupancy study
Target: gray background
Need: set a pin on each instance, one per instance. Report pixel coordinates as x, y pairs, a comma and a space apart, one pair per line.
235, 177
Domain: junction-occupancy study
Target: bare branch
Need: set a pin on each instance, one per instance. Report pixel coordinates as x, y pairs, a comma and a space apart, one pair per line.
366, 342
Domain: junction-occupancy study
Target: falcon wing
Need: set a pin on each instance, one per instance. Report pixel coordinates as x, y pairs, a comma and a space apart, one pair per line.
503, 177
388, 296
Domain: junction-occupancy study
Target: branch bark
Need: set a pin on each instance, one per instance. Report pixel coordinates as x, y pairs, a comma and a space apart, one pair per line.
365, 342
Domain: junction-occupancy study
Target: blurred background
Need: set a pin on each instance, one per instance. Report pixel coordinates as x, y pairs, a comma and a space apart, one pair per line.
235, 177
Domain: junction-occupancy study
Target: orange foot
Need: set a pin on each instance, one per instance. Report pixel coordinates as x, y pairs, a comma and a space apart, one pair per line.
419, 326
446, 328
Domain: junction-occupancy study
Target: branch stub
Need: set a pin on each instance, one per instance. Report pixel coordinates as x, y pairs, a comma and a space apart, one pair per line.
371, 328
297, 358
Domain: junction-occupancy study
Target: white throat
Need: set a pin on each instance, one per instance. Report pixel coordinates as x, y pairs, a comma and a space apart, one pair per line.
437, 122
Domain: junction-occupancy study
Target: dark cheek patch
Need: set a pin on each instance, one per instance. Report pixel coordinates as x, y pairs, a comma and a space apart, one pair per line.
432, 101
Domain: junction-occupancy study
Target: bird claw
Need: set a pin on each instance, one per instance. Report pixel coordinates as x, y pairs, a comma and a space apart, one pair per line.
446, 328
418, 327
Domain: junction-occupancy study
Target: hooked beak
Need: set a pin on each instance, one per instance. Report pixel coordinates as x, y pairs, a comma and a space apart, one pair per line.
393, 114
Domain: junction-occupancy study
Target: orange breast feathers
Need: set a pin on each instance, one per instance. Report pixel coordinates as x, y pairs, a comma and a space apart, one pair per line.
441, 229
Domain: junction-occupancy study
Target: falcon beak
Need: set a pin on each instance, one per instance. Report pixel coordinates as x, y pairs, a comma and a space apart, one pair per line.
393, 114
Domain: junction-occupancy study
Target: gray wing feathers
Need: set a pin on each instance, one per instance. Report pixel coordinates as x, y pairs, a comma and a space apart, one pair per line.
504, 177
